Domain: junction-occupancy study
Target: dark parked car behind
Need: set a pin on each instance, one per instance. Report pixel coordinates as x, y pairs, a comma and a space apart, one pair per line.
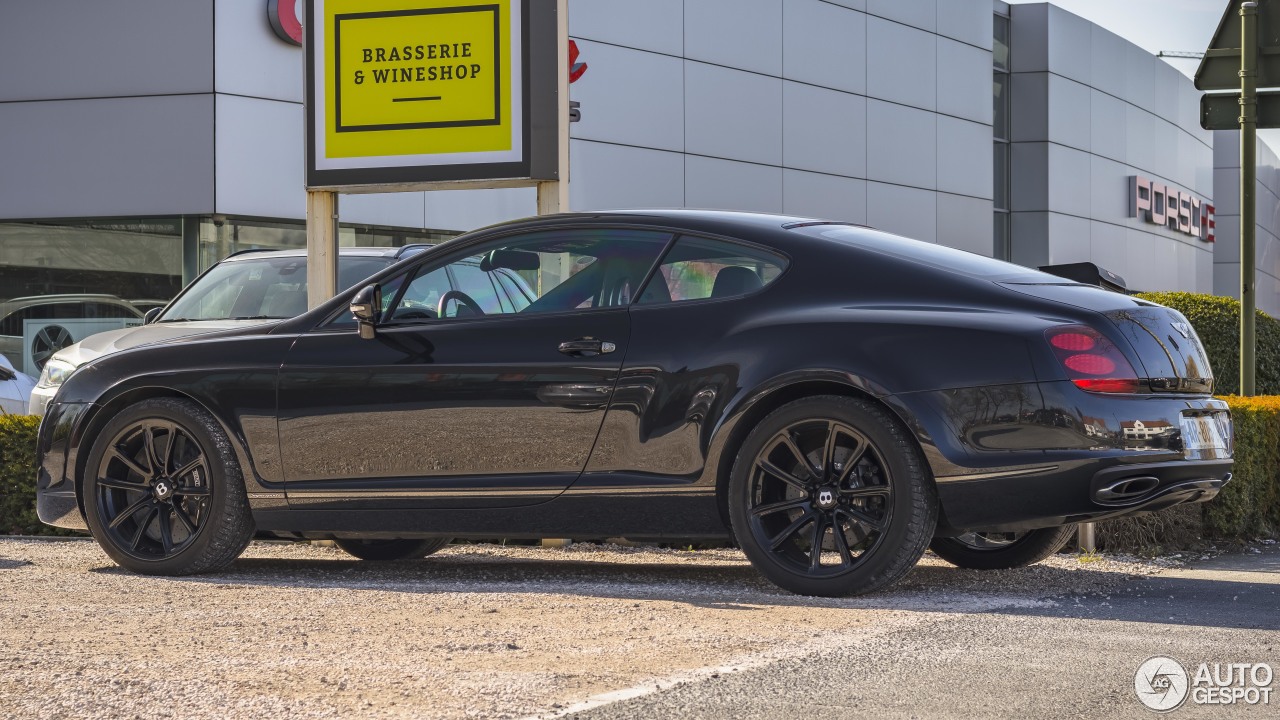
834, 398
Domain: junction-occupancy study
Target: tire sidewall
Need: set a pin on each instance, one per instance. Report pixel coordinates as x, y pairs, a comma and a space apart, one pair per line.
1033, 547
909, 482
223, 471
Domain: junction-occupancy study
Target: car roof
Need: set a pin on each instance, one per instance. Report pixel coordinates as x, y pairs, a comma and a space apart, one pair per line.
752, 223
65, 298
391, 253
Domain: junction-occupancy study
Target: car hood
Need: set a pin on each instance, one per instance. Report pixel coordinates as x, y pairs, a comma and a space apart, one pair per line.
105, 343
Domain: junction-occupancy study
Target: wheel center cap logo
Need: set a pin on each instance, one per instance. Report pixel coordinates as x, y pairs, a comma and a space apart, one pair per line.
826, 498
163, 490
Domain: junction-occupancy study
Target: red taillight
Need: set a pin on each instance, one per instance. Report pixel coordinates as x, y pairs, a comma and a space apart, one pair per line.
1073, 341
1092, 361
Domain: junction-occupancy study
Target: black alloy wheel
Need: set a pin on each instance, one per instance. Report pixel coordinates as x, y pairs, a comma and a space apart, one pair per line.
163, 492
829, 497
1002, 550
396, 549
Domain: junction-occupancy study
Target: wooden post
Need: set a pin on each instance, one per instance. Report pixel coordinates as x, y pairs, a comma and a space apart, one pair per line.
553, 196
322, 246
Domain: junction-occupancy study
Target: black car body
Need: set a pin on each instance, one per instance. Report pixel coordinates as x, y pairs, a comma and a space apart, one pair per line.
624, 414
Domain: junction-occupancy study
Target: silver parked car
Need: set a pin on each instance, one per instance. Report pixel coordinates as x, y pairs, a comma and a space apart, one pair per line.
53, 336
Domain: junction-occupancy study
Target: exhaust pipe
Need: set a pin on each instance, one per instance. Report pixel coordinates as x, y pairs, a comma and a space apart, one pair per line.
1130, 488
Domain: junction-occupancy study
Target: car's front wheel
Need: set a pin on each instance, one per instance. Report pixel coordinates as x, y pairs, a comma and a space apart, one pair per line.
1001, 550
830, 496
163, 493
400, 549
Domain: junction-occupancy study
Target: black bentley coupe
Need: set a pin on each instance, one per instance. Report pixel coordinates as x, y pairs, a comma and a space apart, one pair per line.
833, 398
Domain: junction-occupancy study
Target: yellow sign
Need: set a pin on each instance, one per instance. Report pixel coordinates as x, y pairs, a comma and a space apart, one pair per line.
419, 77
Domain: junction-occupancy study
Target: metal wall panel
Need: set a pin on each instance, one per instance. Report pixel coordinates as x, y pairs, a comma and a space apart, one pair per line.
824, 130
249, 58
618, 176
653, 25
107, 157
91, 49
902, 64
735, 33
824, 196
630, 97
826, 45
732, 114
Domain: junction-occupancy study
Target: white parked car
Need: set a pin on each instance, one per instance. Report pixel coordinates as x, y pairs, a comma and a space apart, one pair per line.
15, 389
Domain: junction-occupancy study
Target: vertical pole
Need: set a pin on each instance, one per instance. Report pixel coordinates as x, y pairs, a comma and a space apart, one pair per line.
1086, 539
1248, 181
322, 246
553, 196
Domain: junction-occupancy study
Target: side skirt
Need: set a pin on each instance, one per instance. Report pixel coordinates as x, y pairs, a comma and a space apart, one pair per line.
638, 516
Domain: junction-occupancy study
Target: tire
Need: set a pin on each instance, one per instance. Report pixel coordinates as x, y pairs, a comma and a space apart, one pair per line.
861, 487
381, 550
1001, 551
163, 491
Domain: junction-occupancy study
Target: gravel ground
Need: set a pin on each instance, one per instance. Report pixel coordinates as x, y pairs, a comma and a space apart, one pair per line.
475, 631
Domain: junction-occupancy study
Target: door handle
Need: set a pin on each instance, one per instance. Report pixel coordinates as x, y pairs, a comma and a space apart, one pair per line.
586, 347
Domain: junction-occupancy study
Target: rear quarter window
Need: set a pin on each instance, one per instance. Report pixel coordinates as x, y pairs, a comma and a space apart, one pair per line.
706, 269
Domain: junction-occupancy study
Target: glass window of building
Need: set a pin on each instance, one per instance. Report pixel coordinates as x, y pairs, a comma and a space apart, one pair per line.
1000, 132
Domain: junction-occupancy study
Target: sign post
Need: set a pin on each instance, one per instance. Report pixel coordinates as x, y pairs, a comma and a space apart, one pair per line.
1248, 181
322, 246
1243, 56
413, 95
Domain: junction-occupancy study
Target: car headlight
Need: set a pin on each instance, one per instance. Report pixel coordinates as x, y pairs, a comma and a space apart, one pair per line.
55, 373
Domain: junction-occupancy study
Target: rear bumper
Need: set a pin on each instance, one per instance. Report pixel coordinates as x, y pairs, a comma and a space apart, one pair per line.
1059, 497
1031, 455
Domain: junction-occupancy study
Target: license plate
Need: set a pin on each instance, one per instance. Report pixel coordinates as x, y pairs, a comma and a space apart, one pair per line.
1207, 433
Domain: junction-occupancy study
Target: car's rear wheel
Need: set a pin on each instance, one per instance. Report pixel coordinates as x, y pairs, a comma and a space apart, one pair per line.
163, 493
829, 496
400, 549
1001, 550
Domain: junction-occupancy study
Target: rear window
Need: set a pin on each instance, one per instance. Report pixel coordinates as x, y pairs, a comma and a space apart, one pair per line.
939, 256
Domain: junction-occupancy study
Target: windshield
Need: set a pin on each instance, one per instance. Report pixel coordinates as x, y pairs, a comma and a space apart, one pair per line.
263, 288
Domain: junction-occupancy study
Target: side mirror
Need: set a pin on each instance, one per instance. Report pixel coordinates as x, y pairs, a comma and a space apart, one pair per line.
151, 315
365, 308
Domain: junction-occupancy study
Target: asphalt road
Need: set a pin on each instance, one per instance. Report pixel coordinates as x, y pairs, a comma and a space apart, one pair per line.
483, 631
1074, 658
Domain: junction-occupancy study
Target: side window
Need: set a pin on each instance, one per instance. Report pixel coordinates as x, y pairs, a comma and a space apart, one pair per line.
700, 268
550, 271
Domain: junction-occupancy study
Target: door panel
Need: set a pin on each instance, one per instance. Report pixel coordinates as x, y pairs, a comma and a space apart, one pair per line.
475, 412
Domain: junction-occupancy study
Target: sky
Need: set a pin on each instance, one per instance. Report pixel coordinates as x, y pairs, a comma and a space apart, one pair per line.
1155, 25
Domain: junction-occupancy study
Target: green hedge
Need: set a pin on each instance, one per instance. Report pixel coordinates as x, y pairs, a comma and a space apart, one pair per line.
1249, 506
18, 475
1217, 322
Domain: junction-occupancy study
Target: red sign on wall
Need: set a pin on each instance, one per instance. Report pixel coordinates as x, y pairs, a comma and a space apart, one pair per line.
283, 15
1165, 205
